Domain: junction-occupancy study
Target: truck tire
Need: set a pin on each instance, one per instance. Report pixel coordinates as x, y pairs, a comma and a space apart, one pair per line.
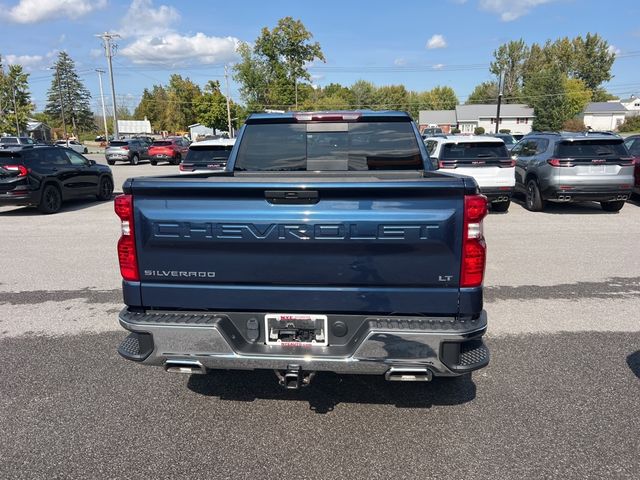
612, 206
533, 198
51, 201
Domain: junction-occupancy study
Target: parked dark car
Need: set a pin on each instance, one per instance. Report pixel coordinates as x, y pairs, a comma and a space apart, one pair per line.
44, 177
171, 149
207, 156
633, 145
9, 142
129, 150
507, 138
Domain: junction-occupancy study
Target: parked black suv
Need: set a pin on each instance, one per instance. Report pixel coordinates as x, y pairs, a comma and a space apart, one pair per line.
46, 176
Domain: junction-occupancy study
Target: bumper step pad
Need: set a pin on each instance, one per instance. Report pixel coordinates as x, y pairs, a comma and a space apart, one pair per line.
137, 346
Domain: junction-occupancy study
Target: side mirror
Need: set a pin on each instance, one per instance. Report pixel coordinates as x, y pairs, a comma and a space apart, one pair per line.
92, 163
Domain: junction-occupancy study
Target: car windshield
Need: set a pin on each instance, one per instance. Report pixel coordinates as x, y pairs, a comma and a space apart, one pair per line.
591, 148
467, 150
212, 153
162, 143
507, 139
329, 146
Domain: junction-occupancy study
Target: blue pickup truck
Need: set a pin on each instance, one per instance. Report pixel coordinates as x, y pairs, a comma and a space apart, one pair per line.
328, 244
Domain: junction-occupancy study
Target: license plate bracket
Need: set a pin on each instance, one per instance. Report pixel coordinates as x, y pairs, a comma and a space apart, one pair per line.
296, 330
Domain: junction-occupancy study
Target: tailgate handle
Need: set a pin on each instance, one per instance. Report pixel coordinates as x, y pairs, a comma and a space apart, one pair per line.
295, 197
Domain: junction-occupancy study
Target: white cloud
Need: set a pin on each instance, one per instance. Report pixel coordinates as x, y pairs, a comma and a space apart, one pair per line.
27, 61
511, 9
400, 62
34, 11
438, 66
175, 49
143, 18
436, 41
615, 50
156, 41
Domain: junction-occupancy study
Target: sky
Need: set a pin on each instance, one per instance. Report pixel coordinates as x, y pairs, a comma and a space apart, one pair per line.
418, 43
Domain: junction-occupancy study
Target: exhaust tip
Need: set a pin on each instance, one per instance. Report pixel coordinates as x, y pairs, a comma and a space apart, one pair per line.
408, 374
188, 367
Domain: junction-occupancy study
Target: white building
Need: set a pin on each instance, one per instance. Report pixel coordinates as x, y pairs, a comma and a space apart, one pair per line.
632, 103
604, 116
518, 118
134, 127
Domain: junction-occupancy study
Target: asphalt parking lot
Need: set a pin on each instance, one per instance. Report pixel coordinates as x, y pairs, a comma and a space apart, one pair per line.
560, 398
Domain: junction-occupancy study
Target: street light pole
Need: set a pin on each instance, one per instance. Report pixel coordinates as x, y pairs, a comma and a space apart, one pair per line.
226, 78
500, 90
104, 111
109, 50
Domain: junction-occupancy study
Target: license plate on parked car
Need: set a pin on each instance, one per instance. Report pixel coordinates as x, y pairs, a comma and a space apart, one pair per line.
294, 330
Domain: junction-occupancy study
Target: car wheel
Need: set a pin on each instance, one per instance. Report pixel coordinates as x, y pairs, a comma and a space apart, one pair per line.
105, 189
85, 151
51, 200
533, 199
153, 162
612, 206
111, 162
177, 159
500, 206
135, 159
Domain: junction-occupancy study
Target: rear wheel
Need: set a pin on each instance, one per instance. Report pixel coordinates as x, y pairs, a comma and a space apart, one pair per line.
612, 206
85, 151
533, 199
177, 159
51, 200
153, 162
135, 159
105, 189
500, 206
111, 162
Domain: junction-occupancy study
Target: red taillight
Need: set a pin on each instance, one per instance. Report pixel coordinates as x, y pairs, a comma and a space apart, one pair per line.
557, 162
474, 248
443, 164
186, 167
627, 161
123, 206
21, 169
125, 147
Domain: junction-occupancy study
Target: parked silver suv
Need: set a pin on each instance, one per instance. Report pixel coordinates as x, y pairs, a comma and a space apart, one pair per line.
130, 150
573, 167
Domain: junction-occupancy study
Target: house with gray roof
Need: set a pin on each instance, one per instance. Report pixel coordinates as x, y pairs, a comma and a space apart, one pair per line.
518, 118
632, 103
604, 116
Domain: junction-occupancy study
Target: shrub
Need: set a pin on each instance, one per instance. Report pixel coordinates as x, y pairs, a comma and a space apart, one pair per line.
478, 131
505, 130
455, 131
574, 125
631, 124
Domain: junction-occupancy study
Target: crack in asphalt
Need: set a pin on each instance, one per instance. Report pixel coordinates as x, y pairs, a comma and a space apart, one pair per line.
620, 287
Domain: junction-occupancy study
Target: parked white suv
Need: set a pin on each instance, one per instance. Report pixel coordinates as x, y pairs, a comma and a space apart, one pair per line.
486, 159
73, 145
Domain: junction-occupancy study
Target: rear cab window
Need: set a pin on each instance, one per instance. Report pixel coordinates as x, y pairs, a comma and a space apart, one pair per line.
209, 153
329, 146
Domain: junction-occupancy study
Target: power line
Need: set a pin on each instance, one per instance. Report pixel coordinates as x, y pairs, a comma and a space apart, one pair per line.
109, 50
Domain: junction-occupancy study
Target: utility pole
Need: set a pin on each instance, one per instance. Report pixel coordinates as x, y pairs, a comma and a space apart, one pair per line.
104, 111
296, 88
15, 109
226, 79
500, 91
109, 50
64, 122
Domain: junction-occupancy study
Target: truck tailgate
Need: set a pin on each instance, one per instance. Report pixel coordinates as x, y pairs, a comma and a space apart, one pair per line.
383, 246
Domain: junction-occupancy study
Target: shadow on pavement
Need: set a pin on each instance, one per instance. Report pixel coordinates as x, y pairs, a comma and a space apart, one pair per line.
578, 208
329, 390
633, 360
67, 206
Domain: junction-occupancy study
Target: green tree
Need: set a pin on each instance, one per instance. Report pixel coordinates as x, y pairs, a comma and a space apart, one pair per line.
545, 91
212, 107
15, 99
593, 60
270, 72
576, 97
486, 92
391, 97
363, 94
182, 97
510, 59
443, 98
75, 97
